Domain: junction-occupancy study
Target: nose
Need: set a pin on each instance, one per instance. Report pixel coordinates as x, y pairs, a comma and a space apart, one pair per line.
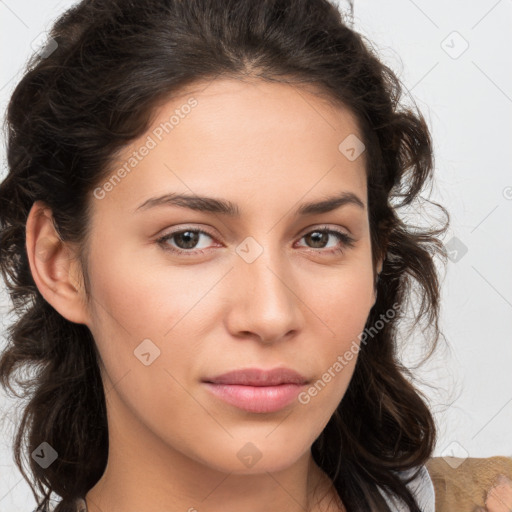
265, 304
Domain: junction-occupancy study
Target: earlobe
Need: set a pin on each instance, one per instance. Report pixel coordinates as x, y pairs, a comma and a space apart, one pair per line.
53, 265
378, 271
379, 266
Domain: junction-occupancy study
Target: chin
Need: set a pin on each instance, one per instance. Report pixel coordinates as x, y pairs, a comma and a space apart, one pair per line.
258, 453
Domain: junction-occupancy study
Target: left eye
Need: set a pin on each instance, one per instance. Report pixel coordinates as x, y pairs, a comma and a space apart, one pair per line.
319, 236
187, 239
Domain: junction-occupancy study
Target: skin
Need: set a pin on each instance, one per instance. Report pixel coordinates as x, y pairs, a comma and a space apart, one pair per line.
173, 445
499, 497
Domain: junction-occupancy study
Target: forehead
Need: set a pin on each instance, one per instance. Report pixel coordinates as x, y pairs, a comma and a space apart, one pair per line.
244, 138
254, 105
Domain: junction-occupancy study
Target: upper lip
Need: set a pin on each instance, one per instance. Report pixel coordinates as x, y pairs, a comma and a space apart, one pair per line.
259, 377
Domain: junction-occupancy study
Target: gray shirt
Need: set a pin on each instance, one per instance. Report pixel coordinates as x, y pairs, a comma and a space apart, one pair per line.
421, 487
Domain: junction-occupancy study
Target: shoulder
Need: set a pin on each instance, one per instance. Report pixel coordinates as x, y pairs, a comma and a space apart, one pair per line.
422, 488
464, 482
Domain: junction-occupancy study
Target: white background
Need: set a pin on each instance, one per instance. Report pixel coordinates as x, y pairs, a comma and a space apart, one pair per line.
466, 98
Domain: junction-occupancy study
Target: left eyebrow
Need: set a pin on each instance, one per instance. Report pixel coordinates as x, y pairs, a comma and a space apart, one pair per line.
214, 205
329, 204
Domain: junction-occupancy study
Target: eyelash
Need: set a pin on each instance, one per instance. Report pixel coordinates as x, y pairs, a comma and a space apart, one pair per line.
347, 241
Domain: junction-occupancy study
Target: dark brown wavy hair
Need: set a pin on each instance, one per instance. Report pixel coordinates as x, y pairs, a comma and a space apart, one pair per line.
82, 101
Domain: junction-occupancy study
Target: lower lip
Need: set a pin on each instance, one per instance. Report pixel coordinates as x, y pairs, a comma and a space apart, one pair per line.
256, 398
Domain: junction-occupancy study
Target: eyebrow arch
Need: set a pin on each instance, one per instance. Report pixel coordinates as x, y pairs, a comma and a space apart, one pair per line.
213, 205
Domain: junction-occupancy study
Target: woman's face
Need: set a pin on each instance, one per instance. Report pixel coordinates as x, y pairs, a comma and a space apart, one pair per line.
256, 286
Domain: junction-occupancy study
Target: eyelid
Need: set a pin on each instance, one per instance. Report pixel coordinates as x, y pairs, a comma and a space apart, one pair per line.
324, 227
347, 241
170, 234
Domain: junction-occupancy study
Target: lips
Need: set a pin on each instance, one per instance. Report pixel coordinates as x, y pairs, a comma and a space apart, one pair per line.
259, 377
255, 390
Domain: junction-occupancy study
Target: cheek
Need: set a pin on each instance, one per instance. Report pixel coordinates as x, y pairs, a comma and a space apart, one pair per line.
342, 307
320, 399
145, 358
342, 301
139, 300
145, 315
